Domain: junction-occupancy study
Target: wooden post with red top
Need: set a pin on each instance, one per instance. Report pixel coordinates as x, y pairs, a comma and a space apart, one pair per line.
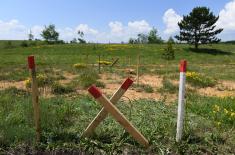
103, 113
35, 96
181, 109
118, 116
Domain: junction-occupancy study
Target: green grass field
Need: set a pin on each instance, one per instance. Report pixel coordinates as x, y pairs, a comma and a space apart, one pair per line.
209, 122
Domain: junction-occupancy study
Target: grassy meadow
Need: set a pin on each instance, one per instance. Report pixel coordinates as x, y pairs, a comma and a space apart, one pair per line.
68, 109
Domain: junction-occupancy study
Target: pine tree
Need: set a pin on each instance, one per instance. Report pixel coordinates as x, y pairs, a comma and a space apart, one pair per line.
169, 53
199, 27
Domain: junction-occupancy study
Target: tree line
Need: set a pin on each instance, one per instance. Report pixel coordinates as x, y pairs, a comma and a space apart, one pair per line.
196, 28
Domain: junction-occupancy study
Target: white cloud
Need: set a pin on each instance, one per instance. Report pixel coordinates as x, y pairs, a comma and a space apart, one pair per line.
139, 26
227, 17
171, 19
117, 31
36, 31
116, 27
86, 29
12, 30
120, 32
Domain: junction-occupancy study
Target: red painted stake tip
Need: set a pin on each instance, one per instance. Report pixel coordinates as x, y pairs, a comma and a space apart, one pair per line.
95, 92
183, 66
126, 84
31, 62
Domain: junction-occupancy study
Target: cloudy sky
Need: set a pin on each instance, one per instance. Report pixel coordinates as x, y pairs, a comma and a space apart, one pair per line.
106, 20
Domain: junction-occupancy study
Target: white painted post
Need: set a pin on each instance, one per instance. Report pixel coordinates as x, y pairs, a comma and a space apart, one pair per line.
180, 118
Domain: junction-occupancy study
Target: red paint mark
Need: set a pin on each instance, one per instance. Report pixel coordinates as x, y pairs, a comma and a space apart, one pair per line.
183, 65
95, 92
31, 62
126, 84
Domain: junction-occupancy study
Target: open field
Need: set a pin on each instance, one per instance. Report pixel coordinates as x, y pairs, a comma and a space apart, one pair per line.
151, 106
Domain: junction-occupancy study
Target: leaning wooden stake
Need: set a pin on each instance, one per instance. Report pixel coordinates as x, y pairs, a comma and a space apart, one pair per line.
118, 116
180, 118
103, 113
35, 95
99, 64
137, 69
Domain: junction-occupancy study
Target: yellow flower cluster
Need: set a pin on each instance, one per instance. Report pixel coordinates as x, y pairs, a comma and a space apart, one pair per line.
114, 47
218, 123
216, 108
79, 66
193, 75
227, 112
27, 82
41, 80
199, 79
104, 62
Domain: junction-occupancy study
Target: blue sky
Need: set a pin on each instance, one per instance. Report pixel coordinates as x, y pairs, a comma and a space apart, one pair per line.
106, 20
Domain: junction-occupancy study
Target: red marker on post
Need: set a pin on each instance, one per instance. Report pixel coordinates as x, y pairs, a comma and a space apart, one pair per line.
35, 96
103, 113
31, 62
181, 109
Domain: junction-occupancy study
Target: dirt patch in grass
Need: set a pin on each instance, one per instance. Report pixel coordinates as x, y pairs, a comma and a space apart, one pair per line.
8, 84
133, 93
223, 89
68, 78
113, 81
209, 91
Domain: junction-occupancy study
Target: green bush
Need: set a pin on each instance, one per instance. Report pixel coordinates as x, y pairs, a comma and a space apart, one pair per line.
144, 87
57, 88
8, 44
169, 53
87, 78
24, 44
168, 87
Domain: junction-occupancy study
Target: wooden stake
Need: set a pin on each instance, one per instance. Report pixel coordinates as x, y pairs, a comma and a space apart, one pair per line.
118, 116
180, 118
35, 96
137, 69
87, 59
99, 64
103, 113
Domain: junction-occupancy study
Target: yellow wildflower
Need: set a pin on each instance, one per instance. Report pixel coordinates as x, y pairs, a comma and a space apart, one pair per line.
216, 108
79, 66
232, 114
27, 83
226, 111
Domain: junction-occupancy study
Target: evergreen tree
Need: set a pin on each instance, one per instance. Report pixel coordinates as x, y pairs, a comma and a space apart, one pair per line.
199, 27
169, 53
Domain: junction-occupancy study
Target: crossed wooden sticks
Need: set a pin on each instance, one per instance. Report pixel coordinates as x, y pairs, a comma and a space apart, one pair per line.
110, 108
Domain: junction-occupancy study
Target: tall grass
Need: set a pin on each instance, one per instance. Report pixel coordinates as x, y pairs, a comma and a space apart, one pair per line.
65, 118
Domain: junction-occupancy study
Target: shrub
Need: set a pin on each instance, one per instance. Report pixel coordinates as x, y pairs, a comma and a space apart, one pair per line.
24, 44
144, 87
8, 44
100, 84
87, 78
169, 53
33, 43
200, 80
57, 88
167, 86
